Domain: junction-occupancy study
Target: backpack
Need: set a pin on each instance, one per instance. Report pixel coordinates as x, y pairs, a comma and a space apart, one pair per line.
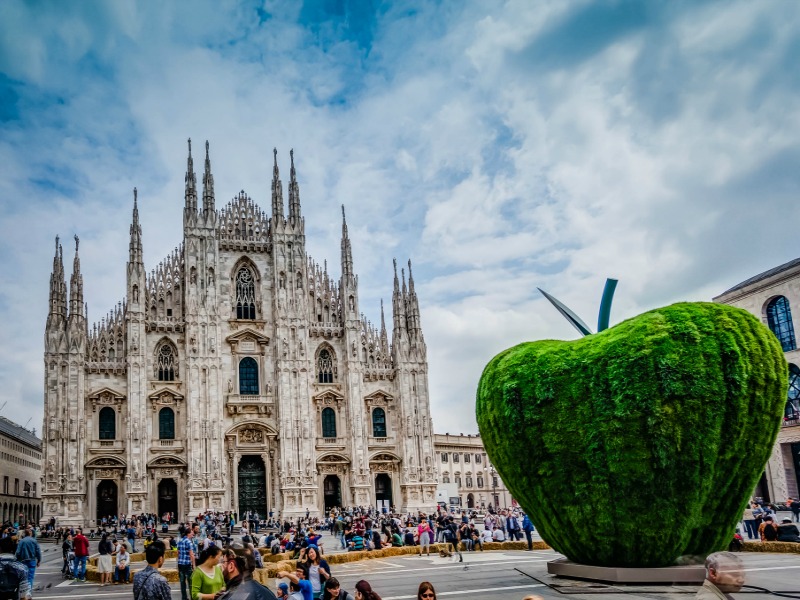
9, 581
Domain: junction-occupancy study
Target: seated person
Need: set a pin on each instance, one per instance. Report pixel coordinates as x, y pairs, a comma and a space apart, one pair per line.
768, 530
377, 540
408, 537
486, 535
356, 543
498, 535
397, 541
122, 571
788, 532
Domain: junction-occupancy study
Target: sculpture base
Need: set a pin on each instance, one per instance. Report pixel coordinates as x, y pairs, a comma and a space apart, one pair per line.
684, 574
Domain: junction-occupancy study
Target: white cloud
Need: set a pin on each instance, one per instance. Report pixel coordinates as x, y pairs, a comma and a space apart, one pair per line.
447, 139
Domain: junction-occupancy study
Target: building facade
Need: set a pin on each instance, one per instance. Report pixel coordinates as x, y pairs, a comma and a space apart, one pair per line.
21, 472
461, 459
773, 297
236, 375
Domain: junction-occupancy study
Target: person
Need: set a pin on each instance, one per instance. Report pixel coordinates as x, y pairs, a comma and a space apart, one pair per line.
283, 590
768, 530
426, 591
186, 562
424, 532
80, 546
149, 584
29, 554
794, 506
513, 527
66, 548
397, 541
334, 591
527, 527
237, 570
15, 572
750, 521
788, 532
451, 539
364, 591
131, 535
356, 543
724, 576
207, 579
122, 571
318, 571
104, 566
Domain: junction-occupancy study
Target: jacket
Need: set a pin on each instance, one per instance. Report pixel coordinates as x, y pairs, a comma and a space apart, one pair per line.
28, 549
710, 592
80, 545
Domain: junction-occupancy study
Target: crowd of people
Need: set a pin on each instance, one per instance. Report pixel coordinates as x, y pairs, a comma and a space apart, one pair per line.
761, 522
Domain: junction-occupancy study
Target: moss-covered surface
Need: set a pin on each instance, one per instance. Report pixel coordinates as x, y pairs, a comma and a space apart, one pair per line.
642, 443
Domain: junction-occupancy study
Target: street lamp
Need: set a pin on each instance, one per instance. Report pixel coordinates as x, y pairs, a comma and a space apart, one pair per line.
493, 475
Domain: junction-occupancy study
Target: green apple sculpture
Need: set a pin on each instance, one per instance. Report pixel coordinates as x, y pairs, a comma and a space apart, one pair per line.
643, 442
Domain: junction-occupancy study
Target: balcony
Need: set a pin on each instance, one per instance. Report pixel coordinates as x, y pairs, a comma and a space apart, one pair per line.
112, 446
376, 443
239, 404
171, 446
331, 443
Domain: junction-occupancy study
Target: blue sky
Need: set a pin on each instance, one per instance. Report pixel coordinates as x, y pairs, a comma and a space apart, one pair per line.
502, 146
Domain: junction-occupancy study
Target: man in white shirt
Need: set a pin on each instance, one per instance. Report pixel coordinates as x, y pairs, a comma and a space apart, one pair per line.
498, 535
486, 535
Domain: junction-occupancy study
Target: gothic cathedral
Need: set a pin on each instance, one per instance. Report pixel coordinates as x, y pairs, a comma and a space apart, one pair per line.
236, 375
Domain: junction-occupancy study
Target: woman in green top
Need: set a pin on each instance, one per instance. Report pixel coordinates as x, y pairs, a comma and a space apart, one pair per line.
207, 580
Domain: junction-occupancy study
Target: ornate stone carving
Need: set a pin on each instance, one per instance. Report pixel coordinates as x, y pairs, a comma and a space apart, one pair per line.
251, 436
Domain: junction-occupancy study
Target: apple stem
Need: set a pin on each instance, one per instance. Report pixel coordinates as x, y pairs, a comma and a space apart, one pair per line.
605, 304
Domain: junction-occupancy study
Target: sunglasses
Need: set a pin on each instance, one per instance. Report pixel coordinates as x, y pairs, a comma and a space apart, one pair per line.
428, 595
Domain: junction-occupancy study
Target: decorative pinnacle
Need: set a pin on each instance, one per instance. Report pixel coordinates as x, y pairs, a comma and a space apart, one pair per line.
190, 147
77, 241
135, 196
207, 150
57, 240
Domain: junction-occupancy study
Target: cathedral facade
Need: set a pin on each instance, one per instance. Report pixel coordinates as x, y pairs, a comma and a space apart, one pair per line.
236, 375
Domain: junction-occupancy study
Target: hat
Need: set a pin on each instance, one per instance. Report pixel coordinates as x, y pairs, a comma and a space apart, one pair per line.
284, 587
786, 520
314, 546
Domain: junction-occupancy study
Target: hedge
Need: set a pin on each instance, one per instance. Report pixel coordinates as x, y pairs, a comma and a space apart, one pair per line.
641, 443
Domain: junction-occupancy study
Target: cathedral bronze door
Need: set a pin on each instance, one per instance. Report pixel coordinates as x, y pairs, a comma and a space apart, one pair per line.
106, 500
252, 486
383, 491
168, 498
333, 492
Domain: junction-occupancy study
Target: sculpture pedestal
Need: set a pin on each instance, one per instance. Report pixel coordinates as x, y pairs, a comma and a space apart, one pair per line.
684, 574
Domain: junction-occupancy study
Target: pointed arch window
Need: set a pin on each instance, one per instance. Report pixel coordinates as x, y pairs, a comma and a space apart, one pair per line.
248, 377
792, 412
108, 423
245, 294
379, 423
166, 424
328, 423
325, 366
779, 319
166, 367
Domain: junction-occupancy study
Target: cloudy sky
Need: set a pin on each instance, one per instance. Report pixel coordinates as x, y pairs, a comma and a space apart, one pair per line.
502, 146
